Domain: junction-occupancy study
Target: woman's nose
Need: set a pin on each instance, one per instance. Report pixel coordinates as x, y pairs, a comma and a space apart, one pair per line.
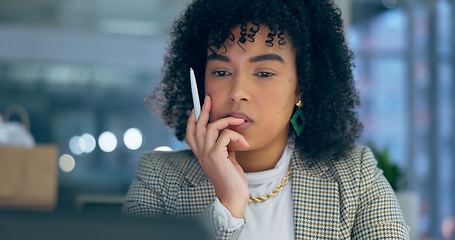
240, 90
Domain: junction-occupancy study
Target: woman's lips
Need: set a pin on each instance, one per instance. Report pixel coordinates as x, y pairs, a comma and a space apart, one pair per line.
247, 121
240, 115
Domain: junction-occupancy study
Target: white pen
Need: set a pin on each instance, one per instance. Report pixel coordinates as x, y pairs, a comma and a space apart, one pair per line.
194, 91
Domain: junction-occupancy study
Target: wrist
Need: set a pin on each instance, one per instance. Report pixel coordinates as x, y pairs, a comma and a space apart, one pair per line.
236, 207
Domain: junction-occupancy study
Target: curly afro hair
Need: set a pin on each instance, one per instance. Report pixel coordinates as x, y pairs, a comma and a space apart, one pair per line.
324, 65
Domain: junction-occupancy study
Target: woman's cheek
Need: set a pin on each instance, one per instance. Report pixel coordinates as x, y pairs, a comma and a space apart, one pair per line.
214, 113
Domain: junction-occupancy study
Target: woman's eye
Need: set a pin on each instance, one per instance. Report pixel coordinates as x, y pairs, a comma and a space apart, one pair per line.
220, 73
264, 74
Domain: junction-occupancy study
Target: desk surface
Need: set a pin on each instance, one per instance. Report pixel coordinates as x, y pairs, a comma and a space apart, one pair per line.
69, 226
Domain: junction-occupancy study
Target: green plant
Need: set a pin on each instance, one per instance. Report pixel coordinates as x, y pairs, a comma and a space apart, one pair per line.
391, 171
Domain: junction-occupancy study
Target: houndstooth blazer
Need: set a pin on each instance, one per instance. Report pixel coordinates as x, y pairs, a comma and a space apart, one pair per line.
348, 199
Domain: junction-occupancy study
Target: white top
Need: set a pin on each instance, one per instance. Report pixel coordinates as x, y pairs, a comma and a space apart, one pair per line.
273, 218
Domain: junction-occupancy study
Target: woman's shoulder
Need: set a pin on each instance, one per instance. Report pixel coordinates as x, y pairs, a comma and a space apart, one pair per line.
359, 163
358, 157
172, 160
174, 164
353, 160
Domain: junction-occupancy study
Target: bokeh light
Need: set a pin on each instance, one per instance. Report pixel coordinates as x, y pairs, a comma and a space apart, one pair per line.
163, 149
132, 138
66, 163
75, 145
88, 141
107, 141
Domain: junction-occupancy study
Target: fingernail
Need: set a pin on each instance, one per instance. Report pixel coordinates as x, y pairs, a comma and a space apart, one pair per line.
205, 99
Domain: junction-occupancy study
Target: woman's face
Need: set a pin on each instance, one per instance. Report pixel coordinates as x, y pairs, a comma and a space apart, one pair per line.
255, 82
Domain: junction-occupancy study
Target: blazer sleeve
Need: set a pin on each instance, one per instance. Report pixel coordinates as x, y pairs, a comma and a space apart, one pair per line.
145, 197
378, 214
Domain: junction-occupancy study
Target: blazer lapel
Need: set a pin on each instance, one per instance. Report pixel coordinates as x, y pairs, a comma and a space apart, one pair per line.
316, 201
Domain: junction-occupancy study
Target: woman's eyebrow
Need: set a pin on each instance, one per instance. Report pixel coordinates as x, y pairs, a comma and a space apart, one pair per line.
267, 57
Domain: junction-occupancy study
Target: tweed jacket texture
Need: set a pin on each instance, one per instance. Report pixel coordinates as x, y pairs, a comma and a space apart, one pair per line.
347, 199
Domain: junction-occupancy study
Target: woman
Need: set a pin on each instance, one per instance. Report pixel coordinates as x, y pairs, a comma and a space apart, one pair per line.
273, 153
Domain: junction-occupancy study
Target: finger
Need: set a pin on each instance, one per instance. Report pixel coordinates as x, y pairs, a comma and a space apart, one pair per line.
201, 124
190, 136
228, 136
213, 129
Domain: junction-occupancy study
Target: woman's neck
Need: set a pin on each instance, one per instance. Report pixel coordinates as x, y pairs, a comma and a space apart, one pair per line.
261, 159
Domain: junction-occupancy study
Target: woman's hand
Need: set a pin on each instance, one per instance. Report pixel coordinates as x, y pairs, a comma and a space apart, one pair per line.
217, 160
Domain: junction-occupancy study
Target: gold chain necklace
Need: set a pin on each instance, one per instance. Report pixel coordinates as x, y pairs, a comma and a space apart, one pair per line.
274, 191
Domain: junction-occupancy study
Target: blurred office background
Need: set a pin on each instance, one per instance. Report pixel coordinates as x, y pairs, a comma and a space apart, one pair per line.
82, 69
